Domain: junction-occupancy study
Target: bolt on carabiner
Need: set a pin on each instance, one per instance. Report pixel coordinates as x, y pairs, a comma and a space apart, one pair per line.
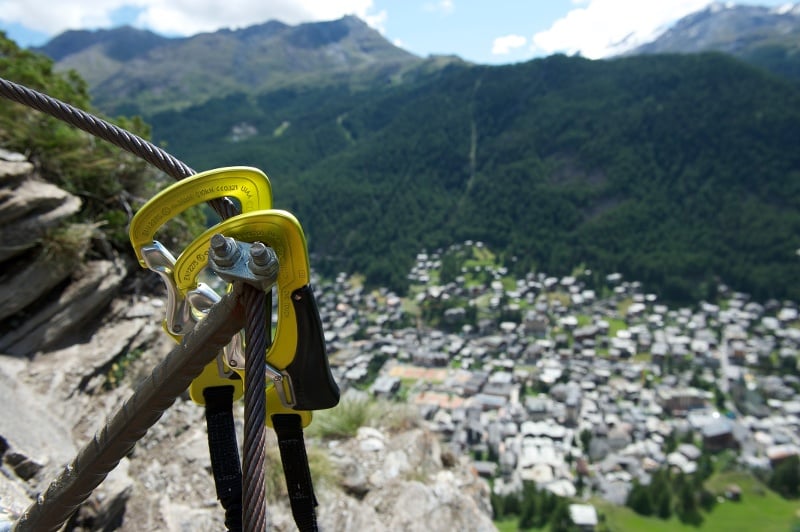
233, 260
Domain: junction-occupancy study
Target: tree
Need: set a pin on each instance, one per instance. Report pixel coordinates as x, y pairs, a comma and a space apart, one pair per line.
639, 500
511, 504
788, 365
560, 520
498, 508
719, 398
450, 268
586, 438
664, 504
660, 493
785, 478
548, 504
670, 442
686, 503
705, 468
529, 516
707, 500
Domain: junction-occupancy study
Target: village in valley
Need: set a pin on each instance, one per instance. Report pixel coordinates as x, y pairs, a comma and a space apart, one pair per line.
585, 386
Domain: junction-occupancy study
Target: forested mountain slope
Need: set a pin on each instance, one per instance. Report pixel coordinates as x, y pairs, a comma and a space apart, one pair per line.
677, 170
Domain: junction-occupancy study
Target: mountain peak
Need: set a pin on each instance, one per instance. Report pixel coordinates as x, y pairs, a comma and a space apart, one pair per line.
192, 69
267, 29
794, 9
318, 34
766, 36
121, 43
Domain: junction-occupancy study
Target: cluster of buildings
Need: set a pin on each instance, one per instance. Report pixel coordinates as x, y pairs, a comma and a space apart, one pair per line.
577, 386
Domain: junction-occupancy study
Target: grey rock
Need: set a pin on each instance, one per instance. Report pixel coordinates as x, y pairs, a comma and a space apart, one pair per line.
105, 510
354, 477
406, 505
13, 500
347, 513
29, 206
21, 287
31, 198
23, 234
72, 310
35, 439
14, 168
11, 156
166, 483
404, 484
28, 424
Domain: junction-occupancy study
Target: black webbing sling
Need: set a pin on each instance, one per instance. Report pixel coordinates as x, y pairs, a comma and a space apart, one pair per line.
224, 453
289, 430
228, 472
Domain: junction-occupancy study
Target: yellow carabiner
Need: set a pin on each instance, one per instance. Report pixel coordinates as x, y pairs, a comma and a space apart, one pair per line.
310, 380
250, 186
277, 229
213, 376
275, 406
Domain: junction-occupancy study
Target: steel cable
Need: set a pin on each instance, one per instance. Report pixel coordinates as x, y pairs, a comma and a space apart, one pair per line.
254, 499
109, 132
90, 461
140, 412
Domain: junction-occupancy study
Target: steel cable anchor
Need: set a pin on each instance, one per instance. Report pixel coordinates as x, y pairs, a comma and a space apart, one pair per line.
257, 265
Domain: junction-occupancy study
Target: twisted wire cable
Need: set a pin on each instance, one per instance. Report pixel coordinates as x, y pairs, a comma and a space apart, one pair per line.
130, 422
92, 462
109, 132
254, 500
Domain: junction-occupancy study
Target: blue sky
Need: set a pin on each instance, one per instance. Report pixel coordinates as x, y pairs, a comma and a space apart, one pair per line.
496, 31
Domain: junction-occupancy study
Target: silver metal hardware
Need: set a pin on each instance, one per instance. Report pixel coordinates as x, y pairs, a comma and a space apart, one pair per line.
282, 382
254, 264
182, 312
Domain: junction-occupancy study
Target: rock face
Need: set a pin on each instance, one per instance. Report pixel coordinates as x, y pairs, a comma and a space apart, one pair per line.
47, 291
58, 400
75, 339
32, 208
28, 205
400, 482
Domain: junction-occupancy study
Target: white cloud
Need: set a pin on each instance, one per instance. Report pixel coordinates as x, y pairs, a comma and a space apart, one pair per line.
377, 20
607, 27
503, 45
180, 17
442, 6
53, 17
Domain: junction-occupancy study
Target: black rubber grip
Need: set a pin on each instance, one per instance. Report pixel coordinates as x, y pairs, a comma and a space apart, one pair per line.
312, 381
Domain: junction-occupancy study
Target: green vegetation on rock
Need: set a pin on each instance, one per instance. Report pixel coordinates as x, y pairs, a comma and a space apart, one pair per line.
111, 183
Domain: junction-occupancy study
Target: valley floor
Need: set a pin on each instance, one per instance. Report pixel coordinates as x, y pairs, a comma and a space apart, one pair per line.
587, 391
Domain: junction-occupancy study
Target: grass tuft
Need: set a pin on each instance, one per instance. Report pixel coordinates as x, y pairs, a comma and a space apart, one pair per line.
358, 410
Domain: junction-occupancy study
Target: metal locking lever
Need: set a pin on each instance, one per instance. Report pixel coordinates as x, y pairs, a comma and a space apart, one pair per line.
183, 311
